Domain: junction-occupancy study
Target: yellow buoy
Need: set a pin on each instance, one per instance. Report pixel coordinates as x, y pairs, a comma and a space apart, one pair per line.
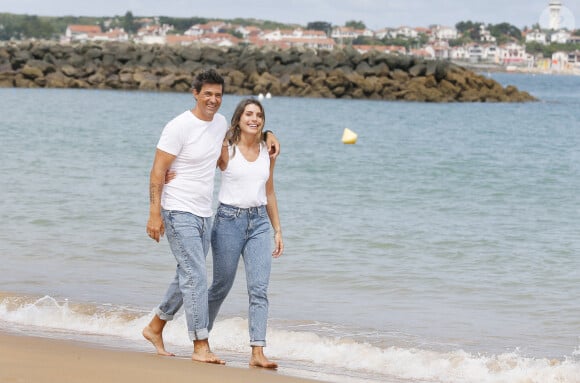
348, 136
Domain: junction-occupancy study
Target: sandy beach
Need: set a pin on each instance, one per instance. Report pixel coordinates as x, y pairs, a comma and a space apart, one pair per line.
32, 359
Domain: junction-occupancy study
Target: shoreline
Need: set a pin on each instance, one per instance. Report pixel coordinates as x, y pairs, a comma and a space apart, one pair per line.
512, 69
35, 359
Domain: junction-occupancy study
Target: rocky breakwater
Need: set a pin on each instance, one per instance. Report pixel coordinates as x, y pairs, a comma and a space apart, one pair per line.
343, 73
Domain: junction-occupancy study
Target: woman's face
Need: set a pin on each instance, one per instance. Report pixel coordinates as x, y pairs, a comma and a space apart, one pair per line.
252, 119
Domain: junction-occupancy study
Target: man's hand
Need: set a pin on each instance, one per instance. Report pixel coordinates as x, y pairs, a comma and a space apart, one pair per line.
155, 227
273, 144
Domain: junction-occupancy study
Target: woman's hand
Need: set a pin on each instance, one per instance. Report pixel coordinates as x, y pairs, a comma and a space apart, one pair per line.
169, 175
278, 244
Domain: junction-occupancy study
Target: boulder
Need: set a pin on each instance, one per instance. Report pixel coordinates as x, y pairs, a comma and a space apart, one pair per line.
295, 72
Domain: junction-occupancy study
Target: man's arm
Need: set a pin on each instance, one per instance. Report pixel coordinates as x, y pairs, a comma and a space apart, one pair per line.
161, 163
272, 143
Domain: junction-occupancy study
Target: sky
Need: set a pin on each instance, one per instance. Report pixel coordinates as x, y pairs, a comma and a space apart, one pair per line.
375, 14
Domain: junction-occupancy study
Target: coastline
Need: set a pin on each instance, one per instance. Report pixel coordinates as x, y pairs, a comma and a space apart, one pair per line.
34, 359
497, 68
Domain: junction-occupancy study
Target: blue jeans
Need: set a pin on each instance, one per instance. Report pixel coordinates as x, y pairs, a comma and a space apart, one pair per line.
188, 237
244, 232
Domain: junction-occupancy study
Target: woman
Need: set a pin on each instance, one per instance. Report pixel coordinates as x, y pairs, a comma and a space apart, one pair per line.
247, 207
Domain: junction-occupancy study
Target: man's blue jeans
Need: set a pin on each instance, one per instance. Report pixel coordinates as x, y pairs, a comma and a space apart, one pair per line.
189, 238
244, 232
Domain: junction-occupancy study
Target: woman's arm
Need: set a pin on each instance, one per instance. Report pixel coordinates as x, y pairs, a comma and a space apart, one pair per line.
222, 162
272, 209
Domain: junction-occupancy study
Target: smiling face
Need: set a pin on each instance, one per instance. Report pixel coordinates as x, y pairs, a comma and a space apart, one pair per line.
252, 120
248, 121
209, 100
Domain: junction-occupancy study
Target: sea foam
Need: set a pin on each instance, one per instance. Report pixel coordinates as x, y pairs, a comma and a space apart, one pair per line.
308, 353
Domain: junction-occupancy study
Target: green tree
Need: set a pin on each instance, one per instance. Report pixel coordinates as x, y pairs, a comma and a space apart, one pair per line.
535, 48
323, 26
400, 42
469, 28
128, 23
505, 31
364, 40
181, 24
25, 27
355, 24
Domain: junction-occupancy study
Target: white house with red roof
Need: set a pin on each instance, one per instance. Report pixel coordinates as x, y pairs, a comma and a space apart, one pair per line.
344, 33
81, 32
201, 29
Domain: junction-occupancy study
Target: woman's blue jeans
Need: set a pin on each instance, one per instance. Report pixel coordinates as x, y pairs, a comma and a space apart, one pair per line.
245, 232
189, 239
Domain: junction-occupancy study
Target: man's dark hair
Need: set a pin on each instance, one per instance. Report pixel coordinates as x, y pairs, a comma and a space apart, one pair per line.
209, 76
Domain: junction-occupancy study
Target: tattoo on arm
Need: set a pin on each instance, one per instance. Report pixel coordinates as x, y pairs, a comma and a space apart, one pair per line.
155, 191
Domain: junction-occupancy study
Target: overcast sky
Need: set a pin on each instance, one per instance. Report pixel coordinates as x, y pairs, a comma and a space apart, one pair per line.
376, 14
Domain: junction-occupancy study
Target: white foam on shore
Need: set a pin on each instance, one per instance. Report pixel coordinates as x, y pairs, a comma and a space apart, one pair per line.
333, 358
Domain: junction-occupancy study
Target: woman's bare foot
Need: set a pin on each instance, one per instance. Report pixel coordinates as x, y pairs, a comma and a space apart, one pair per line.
156, 338
260, 360
202, 353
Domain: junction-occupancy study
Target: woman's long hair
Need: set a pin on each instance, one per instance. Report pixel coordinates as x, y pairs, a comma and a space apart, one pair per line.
235, 132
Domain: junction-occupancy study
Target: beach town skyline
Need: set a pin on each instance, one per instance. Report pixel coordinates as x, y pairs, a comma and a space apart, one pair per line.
373, 13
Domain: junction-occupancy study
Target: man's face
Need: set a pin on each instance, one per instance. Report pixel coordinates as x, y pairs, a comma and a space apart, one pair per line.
209, 100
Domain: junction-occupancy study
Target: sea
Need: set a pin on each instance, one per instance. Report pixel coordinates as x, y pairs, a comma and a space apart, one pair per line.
443, 246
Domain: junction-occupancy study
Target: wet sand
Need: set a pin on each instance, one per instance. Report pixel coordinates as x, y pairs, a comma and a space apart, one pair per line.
37, 360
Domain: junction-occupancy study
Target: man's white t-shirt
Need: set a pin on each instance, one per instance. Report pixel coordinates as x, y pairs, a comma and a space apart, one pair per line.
197, 146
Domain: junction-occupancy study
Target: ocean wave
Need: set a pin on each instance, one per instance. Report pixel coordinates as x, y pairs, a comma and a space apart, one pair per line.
332, 357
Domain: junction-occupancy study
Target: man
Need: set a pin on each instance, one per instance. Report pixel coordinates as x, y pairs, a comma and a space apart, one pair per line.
190, 145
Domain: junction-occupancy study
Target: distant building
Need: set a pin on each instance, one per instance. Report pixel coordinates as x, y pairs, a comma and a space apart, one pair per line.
536, 36
485, 36
459, 53
153, 33
181, 40
560, 37
574, 58
391, 49
83, 33
406, 32
296, 38
475, 53
555, 7
339, 33
441, 32
491, 53
560, 61
512, 53
385, 33
80, 32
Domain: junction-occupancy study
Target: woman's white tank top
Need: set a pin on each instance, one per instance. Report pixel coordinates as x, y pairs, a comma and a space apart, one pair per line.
243, 183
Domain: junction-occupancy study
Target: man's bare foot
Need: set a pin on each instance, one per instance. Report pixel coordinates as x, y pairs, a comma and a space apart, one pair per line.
157, 340
202, 353
206, 357
259, 359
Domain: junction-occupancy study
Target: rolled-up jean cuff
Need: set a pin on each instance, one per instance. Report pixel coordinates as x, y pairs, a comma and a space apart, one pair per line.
200, 334
258, 343
162, 315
